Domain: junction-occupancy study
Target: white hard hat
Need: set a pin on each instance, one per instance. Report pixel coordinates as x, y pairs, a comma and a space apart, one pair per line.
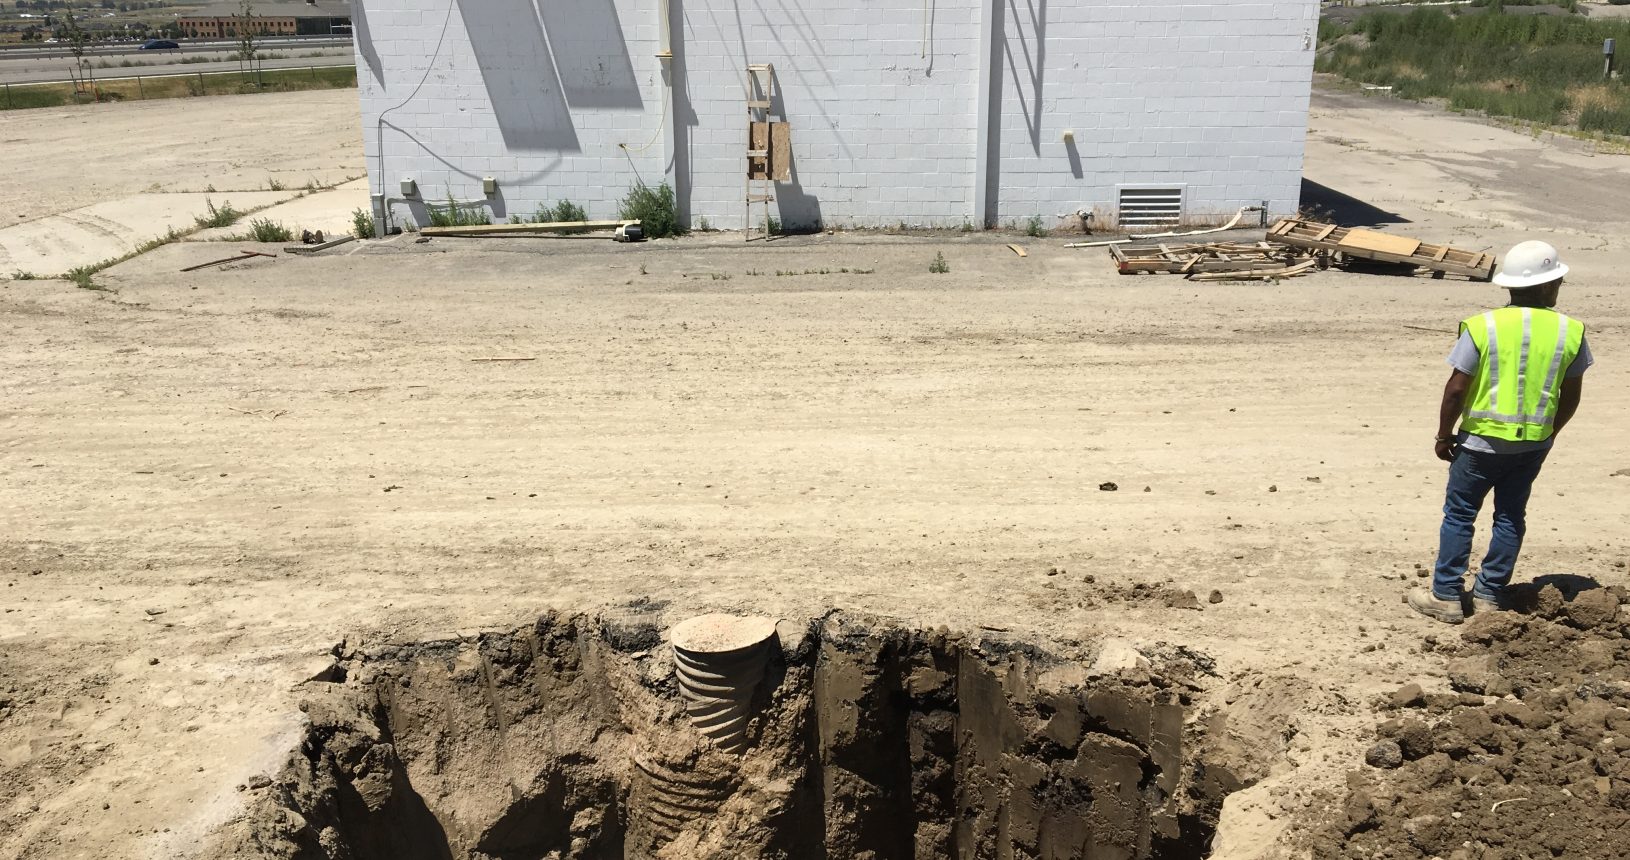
1530, 264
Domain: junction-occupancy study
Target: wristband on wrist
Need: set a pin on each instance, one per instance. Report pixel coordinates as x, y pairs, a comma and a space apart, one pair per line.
1445, 438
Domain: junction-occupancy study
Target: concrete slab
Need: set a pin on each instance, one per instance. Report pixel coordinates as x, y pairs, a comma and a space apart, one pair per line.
328, 211
57, 243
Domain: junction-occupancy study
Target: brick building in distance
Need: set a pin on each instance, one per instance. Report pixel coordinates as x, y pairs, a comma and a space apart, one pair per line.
285, 18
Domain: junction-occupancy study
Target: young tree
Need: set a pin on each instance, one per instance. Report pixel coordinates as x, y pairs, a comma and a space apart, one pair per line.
248, 52
78, 40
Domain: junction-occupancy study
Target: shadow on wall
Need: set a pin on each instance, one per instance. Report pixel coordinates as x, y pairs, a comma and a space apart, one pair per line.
591, 54
1323, 202
365, 40
798, 211
537, 68
1026, 33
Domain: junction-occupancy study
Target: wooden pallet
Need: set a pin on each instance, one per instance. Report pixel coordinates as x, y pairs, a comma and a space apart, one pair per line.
1197, 259
1388, 248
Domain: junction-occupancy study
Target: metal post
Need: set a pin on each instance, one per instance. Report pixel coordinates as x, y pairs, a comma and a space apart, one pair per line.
1608, 46
201, 90
313, 72
8, 96
141, 93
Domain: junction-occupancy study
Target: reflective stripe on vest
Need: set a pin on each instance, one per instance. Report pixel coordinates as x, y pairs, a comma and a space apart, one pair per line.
1534, 415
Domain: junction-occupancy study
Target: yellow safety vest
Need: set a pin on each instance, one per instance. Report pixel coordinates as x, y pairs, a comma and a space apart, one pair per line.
1524, 355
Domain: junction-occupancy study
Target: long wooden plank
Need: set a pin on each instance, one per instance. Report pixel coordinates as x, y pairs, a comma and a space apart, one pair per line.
538, 227
1370, 240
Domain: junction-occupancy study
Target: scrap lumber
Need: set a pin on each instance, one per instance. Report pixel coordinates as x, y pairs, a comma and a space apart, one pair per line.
242, 255
1273, 274
1354, 243
1200, 259
537, 227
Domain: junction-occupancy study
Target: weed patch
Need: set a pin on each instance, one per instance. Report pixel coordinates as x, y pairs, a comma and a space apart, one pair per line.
267, 230
1535, 68
362, 223
219, 216
654, 208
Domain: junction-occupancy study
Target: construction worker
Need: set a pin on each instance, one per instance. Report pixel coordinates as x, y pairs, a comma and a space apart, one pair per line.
1516, 382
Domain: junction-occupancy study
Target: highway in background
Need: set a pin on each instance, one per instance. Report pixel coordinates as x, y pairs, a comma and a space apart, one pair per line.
188, 47
22, 70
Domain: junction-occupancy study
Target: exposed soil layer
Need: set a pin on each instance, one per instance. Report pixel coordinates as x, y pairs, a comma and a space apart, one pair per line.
1526, 755
568, 739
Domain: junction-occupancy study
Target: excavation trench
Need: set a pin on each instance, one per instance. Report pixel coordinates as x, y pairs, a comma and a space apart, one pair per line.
846, 737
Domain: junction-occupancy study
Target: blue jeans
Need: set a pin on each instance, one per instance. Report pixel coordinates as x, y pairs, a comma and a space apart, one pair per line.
1471, 476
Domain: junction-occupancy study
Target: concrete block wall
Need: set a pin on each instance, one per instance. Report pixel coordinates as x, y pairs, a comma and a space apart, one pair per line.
536, 95
1208, 96
883, 96
880, 101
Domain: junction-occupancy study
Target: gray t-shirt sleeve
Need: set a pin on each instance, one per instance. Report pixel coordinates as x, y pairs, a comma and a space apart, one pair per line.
1464, 356
1581, 362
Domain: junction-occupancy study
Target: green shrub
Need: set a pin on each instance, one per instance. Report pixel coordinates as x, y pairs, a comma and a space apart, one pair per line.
1604, 119
654, 208
566, 210
1033, 227
267, 230
219, 216
1521, 66
939, 266
362, 223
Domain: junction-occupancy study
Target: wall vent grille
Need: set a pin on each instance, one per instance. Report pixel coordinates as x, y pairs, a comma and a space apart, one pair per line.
1150, 207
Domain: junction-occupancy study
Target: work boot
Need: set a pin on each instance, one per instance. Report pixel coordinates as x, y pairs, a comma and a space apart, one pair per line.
1481, 604
1422, 600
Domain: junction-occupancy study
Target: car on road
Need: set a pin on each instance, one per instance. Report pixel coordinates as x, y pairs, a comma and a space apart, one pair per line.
160, 45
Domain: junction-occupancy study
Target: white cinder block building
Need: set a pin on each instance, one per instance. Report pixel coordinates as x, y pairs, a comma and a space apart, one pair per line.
927, 112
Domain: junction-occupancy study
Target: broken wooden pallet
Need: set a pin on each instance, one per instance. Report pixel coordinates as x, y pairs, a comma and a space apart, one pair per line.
1197, 259
1331, 240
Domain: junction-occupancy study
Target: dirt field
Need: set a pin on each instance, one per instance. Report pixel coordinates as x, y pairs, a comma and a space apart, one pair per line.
211, 479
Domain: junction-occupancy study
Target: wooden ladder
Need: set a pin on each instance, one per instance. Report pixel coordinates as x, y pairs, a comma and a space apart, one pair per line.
760, 182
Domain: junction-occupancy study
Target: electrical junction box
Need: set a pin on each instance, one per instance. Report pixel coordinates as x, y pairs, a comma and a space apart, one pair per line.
410, 188
489, 186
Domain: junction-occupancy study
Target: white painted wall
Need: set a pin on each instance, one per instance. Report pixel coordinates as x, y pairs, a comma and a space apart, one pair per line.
566, 99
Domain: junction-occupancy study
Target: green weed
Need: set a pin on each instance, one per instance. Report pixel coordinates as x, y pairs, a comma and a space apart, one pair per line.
1535, 68
362, 223
455, 214
654, 208
219, 216
1033, 227
939, 266
267, 230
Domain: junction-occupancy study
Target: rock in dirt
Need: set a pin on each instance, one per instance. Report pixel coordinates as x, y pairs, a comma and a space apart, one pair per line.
1215, 597
1109, 486
1548, 604
1385, 755
1115, 655
1408, 696
259, 781
1593, 609
1182, 600
1479, 675
1414, 739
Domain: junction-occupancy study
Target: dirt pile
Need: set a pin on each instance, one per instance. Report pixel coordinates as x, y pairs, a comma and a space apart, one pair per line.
1526, 755
568, 738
